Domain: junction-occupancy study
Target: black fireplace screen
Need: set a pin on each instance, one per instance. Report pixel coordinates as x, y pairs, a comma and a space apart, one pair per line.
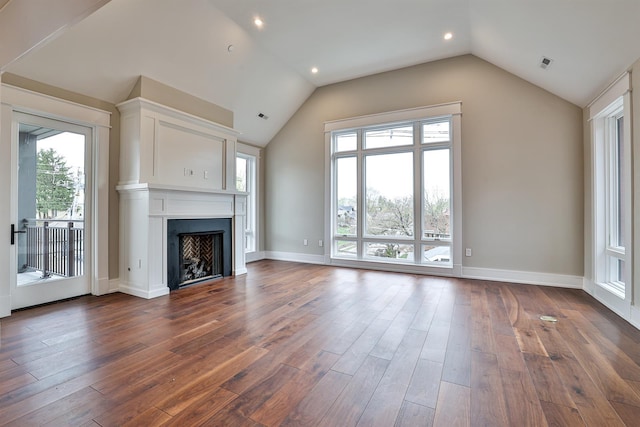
200, 256
198, 250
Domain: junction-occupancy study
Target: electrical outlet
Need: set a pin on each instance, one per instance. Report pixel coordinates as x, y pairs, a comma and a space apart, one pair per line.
305, 242
467, 252
320, 243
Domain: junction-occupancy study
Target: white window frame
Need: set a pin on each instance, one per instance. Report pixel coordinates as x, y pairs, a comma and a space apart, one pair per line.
252, 156
603, 115
418, 116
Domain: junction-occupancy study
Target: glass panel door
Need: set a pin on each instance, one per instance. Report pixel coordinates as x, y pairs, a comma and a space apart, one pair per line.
51, 227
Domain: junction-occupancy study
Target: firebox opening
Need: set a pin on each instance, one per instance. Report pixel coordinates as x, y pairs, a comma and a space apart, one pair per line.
200, 257
198, 250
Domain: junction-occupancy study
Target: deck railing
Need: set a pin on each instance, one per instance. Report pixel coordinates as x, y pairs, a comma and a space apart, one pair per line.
55, 249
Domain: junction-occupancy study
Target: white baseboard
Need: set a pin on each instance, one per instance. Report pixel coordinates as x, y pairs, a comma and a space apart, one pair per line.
239, 272
255, 256
588, 286
634, 319
525, 277
143, 294
5, 306
114, 285
295, 257
512, 276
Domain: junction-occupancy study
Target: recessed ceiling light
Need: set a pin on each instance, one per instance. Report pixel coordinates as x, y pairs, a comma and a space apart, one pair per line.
258, 22
448, 36
314, 70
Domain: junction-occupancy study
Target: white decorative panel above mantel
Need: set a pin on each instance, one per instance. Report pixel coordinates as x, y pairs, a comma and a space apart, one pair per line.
161, 145
172, 166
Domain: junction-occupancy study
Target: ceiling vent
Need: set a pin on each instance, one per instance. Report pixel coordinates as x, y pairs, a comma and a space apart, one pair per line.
545, 62
263, 116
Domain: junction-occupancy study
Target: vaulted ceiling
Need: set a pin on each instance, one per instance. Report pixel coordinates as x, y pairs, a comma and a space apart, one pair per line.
212, 48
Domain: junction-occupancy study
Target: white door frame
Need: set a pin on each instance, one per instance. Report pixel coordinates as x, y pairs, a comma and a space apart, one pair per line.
24, 101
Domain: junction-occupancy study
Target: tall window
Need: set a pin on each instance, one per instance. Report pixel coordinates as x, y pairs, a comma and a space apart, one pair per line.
612, 197
246, 181
392, 190
615, 200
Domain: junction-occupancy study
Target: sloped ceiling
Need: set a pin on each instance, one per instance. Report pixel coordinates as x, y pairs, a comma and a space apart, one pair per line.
185, 44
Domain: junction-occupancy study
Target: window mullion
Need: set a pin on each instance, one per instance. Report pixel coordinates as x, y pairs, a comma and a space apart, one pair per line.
418, 196
359, 196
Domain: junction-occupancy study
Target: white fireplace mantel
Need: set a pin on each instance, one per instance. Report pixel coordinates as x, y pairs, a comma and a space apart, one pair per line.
172, 166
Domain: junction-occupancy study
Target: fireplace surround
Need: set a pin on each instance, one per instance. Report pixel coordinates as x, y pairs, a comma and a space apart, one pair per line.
175, 168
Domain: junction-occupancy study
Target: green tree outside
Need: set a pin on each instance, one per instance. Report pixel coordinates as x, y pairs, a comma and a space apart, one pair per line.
54, 184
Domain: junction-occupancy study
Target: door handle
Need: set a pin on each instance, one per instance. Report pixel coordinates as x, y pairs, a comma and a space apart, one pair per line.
14, 232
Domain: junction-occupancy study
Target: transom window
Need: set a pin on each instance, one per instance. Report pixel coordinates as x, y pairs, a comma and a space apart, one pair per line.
392, 191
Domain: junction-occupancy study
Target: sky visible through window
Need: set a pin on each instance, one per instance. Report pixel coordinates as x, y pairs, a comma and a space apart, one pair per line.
394, 171
68, 145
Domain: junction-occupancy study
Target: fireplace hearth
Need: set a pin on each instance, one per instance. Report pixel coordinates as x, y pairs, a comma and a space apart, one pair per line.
197, 250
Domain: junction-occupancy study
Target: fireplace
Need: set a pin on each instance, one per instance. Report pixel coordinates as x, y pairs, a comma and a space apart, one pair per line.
198, 250
177, 177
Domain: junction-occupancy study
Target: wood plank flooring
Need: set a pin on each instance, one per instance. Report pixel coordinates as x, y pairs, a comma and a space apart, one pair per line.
303, 345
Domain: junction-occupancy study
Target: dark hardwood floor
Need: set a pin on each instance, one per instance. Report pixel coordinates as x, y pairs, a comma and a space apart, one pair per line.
303, 345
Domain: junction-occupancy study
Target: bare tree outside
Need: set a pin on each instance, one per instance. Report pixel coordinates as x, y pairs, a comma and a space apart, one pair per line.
437, 221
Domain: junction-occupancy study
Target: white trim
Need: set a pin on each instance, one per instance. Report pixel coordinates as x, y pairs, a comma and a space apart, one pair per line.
114, 285
410, 114
295, 257
525, 277
588, 286
328, 197
614, 101
136, 104
19, 100
255, 256
491, 274
617, 89
22, 100
612, 301
251, 150
456, 185
394, 267
5, 305
137, 292
634, 318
